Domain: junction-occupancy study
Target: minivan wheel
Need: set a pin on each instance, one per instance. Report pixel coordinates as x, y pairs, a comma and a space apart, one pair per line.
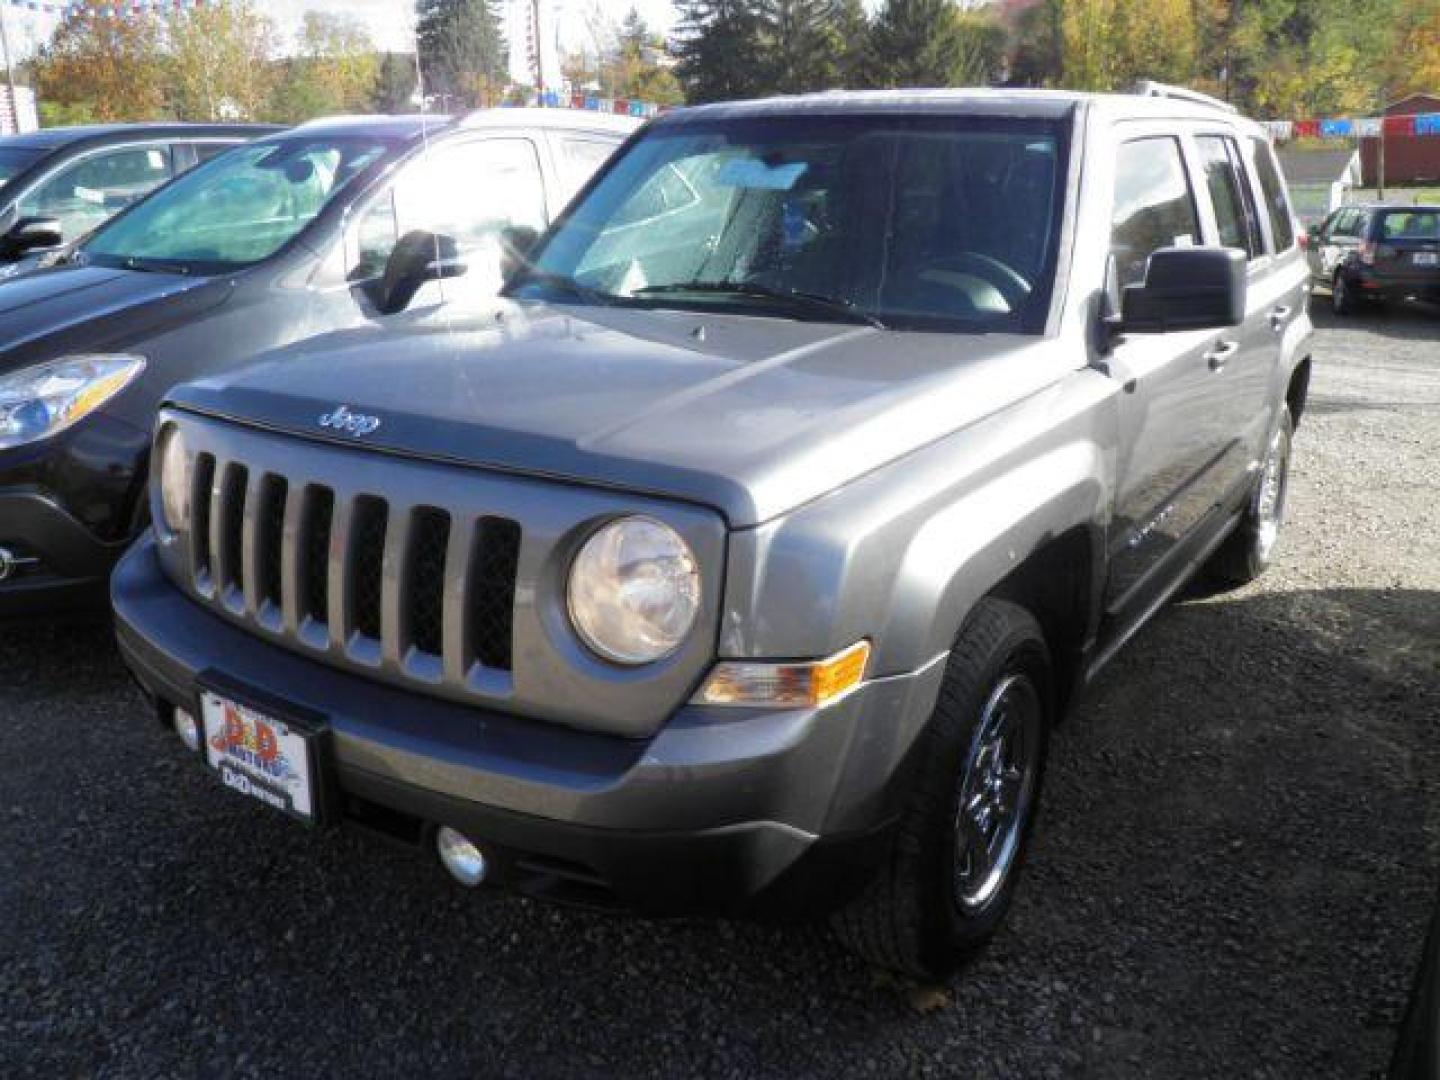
1248, 551
957, 852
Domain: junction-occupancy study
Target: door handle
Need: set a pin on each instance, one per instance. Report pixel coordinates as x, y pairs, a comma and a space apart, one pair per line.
1220, 355
1278, 317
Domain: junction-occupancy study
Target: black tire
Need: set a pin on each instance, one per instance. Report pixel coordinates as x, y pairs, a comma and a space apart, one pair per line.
1342, 296
1249, 550
911, 918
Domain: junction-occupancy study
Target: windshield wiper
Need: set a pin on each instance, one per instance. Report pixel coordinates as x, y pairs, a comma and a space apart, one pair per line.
796, 298
557, 281
155, 266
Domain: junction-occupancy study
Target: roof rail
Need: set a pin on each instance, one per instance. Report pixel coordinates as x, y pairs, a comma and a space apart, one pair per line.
1150, 88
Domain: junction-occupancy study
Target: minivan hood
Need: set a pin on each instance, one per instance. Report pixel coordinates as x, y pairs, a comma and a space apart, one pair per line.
72, 308
752, 416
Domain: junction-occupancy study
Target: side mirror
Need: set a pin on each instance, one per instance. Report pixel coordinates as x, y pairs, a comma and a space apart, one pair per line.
517, 243
1186, 288
31, 234
419, 256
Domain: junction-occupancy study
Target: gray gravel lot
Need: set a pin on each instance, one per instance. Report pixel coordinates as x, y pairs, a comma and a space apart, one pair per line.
1237, 856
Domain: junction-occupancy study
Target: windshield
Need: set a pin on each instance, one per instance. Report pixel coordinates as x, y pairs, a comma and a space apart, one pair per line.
15, 160
934, 222
236, 210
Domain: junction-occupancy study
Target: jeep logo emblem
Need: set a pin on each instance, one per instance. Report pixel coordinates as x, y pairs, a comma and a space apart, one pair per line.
342, 419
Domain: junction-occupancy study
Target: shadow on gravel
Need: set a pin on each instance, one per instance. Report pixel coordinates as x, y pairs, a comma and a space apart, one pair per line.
1232, 877
1410, 319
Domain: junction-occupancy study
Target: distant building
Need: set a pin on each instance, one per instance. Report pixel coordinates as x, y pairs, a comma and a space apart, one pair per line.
1409, 159
1319, 179
17, 115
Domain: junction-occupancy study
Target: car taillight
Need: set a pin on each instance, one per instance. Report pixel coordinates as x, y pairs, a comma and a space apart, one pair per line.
1367, 252
1304, 239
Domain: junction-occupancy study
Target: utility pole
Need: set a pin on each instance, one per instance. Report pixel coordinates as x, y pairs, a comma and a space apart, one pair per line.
9, 72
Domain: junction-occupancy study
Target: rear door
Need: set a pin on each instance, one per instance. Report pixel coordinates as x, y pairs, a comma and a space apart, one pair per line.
1241, 381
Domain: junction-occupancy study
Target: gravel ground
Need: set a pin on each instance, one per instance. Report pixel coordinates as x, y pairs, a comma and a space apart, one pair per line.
1234, 867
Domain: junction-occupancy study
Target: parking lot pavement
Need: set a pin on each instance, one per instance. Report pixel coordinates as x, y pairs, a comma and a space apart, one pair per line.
1236, 859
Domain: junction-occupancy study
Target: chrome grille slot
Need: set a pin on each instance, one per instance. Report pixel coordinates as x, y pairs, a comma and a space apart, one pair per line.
424, 584
204, 481
270, 533
314, 554
365, 563
494, 559
228, 531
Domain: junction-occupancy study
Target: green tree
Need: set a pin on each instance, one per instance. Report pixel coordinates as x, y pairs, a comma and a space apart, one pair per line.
933, 43
1038, 48
718, 44
219, 66
800, 47
462, 50
395, 82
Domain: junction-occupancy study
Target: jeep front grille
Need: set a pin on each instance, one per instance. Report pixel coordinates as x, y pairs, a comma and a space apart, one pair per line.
366, 574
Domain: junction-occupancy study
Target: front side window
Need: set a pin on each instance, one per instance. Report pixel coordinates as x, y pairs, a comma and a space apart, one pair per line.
1154, 206
236, 209
915, 222
87, 192
478, 193
1225, 182
581, 158
1277, 203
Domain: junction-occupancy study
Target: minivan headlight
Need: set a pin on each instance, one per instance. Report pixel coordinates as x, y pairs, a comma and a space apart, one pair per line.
634, 591
40, 401
173, 468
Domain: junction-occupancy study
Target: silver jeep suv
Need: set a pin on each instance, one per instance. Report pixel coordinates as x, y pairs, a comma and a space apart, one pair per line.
821, 452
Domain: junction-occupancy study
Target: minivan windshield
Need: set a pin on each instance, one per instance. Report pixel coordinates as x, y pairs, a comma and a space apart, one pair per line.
235, 210
904, 221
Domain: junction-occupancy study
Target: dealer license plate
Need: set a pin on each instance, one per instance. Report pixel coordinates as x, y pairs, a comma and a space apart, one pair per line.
1427, 258
259, 755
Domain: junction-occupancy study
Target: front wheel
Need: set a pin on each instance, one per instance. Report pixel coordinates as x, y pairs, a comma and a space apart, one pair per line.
963, 834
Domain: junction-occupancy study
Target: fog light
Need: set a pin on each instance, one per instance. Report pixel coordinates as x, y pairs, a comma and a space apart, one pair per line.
465, 861
187, 729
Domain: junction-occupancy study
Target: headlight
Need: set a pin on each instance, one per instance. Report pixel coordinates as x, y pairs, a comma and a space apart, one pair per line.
173, 468
634, 591
37, 402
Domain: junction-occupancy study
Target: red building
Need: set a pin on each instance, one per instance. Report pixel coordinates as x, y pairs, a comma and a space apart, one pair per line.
1409, 159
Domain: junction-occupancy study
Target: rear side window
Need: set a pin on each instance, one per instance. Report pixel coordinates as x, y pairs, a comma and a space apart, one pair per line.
1410, 225
1277, 205
1229, 194
1154, 206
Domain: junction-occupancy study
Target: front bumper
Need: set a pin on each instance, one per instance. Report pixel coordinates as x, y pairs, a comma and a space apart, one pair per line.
721, 810
70, 564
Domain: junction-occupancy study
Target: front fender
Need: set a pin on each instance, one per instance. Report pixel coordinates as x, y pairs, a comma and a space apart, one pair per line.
900, 556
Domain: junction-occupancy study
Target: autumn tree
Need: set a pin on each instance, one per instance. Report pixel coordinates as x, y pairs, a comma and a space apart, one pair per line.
220, 61
462, 50
111, 67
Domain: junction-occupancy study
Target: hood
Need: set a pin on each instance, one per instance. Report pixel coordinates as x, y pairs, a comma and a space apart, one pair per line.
72, 308
752, 416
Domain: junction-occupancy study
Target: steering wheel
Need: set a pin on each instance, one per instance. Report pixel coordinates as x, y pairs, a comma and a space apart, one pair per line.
1005, 278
